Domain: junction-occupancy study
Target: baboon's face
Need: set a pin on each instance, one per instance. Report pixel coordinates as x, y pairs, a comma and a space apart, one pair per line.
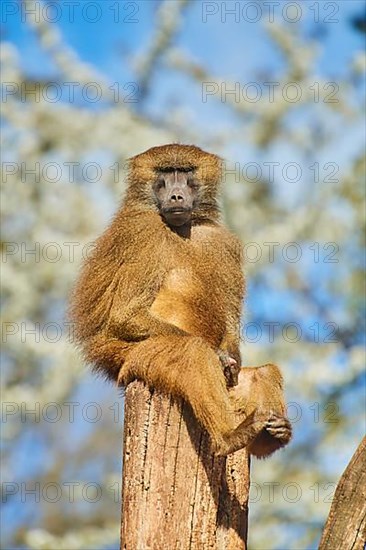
176, 194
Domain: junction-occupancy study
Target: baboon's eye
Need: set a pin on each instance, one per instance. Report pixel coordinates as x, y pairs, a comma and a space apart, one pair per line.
192, 182
160, 183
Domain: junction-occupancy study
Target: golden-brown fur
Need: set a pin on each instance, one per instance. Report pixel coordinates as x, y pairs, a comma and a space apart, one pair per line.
153, 305
260, 391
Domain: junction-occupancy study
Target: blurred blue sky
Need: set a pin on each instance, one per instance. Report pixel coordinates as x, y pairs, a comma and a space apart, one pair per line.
245, 54
243, 46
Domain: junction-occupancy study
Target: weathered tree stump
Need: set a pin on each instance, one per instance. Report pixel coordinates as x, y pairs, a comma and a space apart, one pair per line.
176, 494
346, 524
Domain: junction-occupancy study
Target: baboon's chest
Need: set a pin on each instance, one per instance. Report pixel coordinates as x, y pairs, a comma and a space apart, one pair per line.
189, 297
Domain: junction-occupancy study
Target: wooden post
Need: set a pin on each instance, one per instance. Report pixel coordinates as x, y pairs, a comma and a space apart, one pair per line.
175, 493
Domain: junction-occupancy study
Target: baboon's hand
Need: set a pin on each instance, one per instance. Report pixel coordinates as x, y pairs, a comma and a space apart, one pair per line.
230, 368
279, 427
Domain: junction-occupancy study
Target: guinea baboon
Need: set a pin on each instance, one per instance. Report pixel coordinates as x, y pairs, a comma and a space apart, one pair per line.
160, 300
